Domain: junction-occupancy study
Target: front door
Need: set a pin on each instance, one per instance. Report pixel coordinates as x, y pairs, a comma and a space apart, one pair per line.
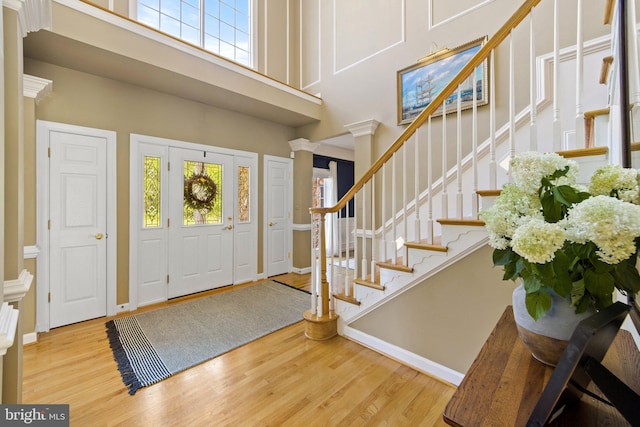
201, 237
78, 227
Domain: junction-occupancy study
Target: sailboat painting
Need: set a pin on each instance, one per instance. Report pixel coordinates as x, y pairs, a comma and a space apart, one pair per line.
419, 84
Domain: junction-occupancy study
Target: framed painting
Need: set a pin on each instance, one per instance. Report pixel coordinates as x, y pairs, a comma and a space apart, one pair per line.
420, 83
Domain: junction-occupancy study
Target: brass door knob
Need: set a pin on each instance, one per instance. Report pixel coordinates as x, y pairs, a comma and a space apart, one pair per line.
229, 227
99, 236
271, 224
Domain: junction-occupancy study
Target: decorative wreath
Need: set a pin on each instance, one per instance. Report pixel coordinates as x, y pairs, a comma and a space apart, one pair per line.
200, 192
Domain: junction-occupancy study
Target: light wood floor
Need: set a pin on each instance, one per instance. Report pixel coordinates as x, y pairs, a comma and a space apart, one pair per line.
281, 379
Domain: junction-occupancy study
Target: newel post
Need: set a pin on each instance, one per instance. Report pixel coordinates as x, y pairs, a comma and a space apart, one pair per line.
321, 323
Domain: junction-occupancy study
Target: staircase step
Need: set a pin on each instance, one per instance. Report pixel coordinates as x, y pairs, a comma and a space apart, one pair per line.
458, 221
373, 284
488, 193
350, 299
393, 266
635, 146
604, 69
584, 152
426, 246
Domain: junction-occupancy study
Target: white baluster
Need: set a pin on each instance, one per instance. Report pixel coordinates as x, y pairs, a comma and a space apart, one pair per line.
374, 251
512, 99
459, 154
493, 170
385, 241
533, 82
405, 202
416, 186
445, 193
363, 273
474, 145
393, 209
429, 184
347, 287
557, 125
580, 142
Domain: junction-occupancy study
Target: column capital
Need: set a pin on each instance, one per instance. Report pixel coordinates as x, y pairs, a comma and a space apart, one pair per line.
303, 144
365, 127
8, 325
15, 290
33, 15
36, 87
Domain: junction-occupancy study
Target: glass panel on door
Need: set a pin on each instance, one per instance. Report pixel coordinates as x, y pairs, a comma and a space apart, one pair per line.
202, 193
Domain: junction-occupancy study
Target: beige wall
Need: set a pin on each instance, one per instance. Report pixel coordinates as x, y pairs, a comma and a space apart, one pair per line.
448, 317
87, 100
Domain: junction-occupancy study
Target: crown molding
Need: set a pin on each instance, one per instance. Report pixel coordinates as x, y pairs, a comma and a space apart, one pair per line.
36, 87
365, 127
15, 290
302, 144
33, 15
8, 325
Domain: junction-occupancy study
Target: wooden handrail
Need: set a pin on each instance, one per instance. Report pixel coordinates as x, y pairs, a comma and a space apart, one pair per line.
484, 52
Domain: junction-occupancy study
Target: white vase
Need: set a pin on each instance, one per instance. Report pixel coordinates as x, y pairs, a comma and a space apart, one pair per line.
548, 336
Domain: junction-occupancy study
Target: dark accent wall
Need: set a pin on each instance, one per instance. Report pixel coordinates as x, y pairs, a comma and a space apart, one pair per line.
345, 177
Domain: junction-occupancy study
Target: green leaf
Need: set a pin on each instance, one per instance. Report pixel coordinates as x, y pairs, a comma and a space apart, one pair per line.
538, 303
577, 292
599, 285
543, 270
565, 195
626, 276
551, 209
503, 256
531, 283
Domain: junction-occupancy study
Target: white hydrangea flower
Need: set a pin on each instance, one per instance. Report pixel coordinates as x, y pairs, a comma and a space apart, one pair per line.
537, 241
615, 177
610, 223
527, 169
507, 214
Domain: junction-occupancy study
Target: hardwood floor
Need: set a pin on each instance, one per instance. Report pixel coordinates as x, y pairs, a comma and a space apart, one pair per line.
281, 379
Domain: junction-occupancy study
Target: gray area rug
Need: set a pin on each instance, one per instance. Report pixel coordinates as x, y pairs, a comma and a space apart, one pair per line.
152, 346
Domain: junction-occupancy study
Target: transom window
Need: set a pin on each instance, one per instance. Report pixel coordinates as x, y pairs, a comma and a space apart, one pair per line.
219, 26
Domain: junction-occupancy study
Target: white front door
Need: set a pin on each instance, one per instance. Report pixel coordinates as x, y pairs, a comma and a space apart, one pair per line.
201, 236
78, 221
278, 214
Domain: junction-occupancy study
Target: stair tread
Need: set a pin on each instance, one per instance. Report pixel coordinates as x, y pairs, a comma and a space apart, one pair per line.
350, 299
393, 266
584, 152
461, 221
374, 284
488, 193
424, 244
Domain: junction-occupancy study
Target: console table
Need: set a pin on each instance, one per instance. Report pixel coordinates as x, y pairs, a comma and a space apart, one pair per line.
503, 384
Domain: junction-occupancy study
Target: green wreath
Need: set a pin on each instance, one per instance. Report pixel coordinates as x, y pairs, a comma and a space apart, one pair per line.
200, 192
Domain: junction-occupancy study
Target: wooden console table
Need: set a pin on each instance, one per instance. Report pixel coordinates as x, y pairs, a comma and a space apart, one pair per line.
504, 383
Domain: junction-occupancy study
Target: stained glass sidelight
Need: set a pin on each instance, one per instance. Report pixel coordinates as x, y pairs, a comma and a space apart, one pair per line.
202, 193
152, 191
243, 194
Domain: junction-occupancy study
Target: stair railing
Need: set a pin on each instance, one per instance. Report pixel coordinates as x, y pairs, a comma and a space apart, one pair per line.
381, 229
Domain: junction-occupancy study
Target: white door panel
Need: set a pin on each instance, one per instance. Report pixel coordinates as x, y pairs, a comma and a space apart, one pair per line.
78, 248
278, 215
200, 251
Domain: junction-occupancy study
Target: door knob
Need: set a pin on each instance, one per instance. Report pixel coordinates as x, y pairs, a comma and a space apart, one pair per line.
271, 224
99, 236
229, 227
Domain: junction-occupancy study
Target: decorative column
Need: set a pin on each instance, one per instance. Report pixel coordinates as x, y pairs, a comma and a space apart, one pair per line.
302, 153
19, 18
363, 133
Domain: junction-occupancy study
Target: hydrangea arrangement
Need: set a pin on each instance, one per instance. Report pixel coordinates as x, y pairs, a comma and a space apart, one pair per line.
558, 236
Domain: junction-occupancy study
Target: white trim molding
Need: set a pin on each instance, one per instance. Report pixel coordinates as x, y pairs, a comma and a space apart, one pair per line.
15, 290
303, 144
301, 227
36, 87
363, 128
29, 338
31, 252
33, 15
8, 325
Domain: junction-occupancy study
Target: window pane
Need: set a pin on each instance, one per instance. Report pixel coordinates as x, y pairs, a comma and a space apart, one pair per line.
191, 35
149, 16
169, 25
242, 6
154, 4
193, 3
227, 50
226, 14
242, 57
242, 22
212, 7
202, 193
151, 185
211, 26
227, 33
243, 194
171, 8
190, 16
212, 44
242, 40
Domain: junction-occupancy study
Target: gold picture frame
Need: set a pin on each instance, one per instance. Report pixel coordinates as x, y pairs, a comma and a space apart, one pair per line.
420, 83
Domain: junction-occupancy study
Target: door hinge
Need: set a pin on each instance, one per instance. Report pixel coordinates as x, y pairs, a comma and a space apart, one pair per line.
49, 297
167, 279
289, 255
49, 224
49, 152
169, 166
168, 222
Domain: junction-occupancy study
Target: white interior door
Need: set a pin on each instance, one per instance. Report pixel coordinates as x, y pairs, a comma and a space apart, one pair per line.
201, 237
78, 221
278, 215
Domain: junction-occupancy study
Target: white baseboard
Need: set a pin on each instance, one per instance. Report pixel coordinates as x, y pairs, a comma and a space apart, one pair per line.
120, 308
301, 270
29, 338
410, 359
